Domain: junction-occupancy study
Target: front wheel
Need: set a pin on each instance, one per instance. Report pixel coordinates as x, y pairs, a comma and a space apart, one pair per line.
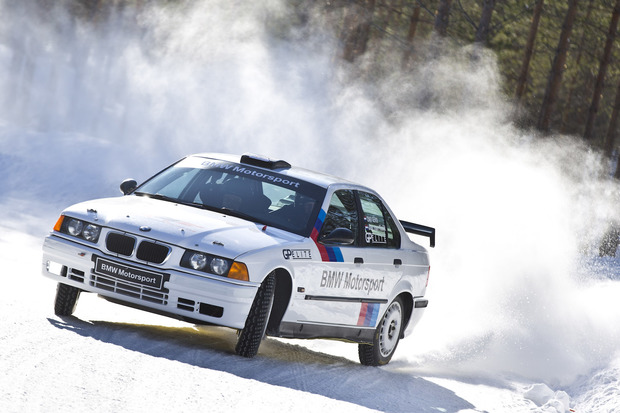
255, 325
66, 299
386, 337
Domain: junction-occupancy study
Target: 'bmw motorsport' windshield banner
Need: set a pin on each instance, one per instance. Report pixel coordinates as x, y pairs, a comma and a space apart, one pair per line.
237, 169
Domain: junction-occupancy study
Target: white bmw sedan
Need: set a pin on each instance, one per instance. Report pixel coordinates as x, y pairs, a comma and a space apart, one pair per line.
252, 244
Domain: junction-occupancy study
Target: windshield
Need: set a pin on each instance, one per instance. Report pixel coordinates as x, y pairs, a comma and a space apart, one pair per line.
251, 193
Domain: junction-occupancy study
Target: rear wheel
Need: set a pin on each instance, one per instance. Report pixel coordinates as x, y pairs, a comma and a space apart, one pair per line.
66, 299
255, 325
386, 337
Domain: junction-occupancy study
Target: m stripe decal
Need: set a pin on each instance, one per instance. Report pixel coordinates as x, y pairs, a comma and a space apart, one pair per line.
328, 254
368, 314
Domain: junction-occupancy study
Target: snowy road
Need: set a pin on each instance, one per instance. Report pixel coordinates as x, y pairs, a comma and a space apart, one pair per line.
109, 358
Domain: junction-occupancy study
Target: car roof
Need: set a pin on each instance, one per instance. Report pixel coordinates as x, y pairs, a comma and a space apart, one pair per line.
317, 178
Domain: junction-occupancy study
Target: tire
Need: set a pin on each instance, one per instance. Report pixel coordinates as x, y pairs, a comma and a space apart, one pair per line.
255, 325
386, 337
66, 299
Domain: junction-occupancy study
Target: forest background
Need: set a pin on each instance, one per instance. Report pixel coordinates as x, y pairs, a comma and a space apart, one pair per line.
559, 59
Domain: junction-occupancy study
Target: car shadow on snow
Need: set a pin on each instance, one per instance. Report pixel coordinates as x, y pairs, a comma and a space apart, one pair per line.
277, 363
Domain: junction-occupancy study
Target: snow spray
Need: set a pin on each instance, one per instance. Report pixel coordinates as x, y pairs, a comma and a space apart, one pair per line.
89, 101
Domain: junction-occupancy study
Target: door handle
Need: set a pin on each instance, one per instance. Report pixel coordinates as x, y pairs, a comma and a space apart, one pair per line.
358, 260
398, 261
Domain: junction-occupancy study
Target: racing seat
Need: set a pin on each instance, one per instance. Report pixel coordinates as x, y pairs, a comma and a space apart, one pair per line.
211, 195
234, 193
294, 215
239, 195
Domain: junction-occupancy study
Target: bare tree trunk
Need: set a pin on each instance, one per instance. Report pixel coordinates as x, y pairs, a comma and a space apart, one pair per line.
602, 71
413, 26
442, 17
529, 49
356, 32
482, 34
572, 83
613, 125
557, 68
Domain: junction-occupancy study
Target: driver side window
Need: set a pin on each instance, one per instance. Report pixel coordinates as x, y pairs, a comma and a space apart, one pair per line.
342, 213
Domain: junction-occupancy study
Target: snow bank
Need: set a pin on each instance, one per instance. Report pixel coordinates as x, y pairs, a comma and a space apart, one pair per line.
547, 399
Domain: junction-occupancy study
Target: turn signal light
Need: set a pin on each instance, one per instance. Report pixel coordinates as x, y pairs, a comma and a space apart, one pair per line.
59, 223
239, 271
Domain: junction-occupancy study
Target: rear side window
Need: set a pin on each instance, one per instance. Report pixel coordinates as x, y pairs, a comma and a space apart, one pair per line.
379, 227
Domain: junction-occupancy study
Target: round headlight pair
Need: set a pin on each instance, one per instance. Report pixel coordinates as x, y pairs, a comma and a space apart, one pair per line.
89, 232
199, 261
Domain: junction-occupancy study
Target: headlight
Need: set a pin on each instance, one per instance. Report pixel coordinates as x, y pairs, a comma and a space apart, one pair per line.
198, 261
75, 227
91, 232
78, 228
219, 266
201, 261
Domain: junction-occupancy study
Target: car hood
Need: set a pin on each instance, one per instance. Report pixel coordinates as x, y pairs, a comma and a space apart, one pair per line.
182, 225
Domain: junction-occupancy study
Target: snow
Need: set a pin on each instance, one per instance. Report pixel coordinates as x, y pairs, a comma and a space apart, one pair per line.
523, 314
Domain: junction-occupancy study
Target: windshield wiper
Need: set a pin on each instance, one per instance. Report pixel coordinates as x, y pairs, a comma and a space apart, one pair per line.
158, 196
203, 206
241, 215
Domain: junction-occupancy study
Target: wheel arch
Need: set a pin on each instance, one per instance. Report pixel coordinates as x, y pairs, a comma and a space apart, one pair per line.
281, 300
407, 300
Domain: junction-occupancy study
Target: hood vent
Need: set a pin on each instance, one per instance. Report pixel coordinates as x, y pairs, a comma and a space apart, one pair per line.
264, 162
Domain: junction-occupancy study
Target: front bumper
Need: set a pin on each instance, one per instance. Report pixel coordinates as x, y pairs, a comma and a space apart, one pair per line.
180, 295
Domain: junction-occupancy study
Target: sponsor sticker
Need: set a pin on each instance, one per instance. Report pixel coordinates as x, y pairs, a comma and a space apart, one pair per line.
368, 314
297, 254
197, 162
126, 273
349, 281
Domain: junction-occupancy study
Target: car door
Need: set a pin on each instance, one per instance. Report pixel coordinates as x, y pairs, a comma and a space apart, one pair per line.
383, 257
348, 283
321, 294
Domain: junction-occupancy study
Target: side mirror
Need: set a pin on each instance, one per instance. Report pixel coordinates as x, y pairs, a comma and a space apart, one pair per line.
339, 236
128, 186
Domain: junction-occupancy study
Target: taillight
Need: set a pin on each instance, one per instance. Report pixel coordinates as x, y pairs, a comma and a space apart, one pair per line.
428, 275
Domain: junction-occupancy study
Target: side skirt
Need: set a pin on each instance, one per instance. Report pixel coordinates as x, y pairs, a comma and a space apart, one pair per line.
305, 330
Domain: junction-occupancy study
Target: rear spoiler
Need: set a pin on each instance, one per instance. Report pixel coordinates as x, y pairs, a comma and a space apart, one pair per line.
420, 230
